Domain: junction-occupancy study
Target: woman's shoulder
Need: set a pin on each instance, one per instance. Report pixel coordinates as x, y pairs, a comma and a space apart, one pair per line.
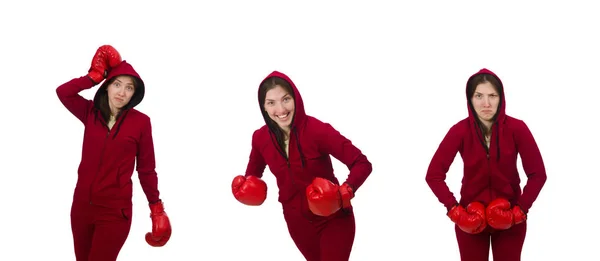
137, 115
460, 126
512, 120
261, 133
315, 126
515, 124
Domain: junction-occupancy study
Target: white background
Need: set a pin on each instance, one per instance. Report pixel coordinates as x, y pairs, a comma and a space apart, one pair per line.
389, 77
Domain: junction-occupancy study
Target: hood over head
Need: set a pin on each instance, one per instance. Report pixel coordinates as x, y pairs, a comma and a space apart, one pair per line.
500, 116
299, 113
297, 121
122, 68
501, 112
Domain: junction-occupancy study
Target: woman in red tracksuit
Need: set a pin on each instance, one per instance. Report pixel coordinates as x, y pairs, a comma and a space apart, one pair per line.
492, 206
297, 149
115, 136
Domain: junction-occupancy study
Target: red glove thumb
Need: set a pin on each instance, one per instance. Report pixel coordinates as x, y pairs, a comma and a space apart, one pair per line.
346, 193
161, 226
518, 215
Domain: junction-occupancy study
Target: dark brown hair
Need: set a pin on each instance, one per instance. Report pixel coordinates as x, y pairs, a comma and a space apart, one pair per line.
472, 85
266, 86
103, 105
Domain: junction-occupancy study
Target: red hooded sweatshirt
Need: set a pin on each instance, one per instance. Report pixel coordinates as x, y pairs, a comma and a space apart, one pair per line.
489, 173
109, 155
310, 146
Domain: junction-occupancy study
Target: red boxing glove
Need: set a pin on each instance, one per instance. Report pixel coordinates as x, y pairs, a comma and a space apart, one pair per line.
519, 215
161, 226
323, 197
500, 214
346, 193
106, 57
251, 190
471, 220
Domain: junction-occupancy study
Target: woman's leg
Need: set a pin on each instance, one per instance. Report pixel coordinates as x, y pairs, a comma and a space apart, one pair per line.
473, 247
82, 229
303, 233
111, 230
337, 237
508, 244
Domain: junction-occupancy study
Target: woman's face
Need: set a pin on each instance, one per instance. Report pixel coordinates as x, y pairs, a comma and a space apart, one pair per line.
485, 101
280, 106
120, 92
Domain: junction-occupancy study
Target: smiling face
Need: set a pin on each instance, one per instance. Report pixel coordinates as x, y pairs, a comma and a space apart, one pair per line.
280, 106
485, 101
120, 92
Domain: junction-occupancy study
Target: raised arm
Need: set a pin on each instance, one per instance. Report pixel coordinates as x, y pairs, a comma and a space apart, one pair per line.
68, 94
105, 58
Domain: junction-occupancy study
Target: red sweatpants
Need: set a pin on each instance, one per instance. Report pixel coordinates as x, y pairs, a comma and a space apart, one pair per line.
99, 233
320, 238
506, 244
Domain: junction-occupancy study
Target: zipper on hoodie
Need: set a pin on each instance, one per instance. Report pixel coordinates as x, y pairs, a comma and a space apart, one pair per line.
487, 155
289, 170
287, 159
285, 156
489, 172
100, 161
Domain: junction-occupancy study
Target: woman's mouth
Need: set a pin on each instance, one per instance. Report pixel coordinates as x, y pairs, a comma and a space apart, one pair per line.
283, 117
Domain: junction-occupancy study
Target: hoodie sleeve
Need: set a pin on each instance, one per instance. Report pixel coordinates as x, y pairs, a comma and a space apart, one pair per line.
146, 164
256, 163
533, 165
331, 142
440, 164
68, 94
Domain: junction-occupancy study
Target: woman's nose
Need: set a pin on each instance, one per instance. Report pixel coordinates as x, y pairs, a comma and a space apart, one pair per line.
486, 102
280, 108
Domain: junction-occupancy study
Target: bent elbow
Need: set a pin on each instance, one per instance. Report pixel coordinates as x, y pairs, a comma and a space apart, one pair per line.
431, 178
368, 166
543, 178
